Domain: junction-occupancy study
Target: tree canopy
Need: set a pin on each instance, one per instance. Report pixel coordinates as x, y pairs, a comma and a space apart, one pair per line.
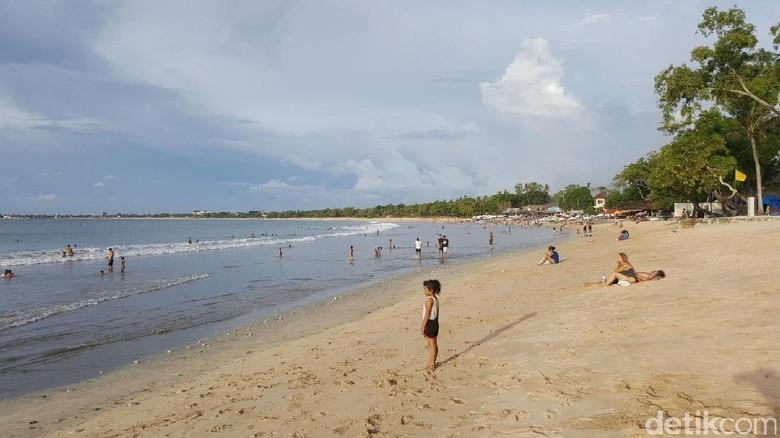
732, 76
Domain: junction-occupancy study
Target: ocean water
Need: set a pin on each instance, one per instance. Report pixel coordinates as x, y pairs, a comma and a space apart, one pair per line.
62, 321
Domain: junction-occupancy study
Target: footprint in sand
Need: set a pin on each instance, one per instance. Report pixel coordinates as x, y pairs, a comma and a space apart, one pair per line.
550, 413
534, 431
506, 413
563, 398
373, 423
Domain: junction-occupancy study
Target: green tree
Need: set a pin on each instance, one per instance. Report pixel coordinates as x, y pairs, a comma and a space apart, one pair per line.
532, 193
732, 74
575, 197
690, 168
634, 178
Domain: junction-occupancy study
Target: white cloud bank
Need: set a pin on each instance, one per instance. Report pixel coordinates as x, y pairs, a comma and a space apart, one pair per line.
531, 85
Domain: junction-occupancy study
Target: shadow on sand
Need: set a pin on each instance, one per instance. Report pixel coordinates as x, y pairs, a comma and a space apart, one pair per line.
492, 335
767, 381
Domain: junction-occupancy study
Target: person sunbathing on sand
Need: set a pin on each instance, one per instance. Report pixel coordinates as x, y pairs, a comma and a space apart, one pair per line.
650, 276
624, 271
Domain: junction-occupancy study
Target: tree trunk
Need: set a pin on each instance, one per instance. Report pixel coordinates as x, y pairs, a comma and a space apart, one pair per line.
696, 211
759, 182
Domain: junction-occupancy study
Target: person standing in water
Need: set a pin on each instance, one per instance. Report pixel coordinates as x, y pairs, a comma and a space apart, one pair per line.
110, 258
122, 264
430, 322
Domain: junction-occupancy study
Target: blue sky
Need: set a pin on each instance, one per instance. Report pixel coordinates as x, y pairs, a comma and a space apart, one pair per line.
173, 106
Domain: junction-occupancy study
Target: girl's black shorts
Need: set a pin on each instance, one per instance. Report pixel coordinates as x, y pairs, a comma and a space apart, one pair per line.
432, 328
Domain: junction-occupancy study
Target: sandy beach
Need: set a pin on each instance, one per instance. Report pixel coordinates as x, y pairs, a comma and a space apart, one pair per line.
525, 350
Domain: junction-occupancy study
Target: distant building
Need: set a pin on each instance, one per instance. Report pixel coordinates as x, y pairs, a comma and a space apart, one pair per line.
542, 209
644, 207
599, 201
513, 211
685, 209
200, 213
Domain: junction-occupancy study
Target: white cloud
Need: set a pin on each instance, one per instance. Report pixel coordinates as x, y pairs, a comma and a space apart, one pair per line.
275, 185
648, 19
592, 18
42, 198
13, 117
99, 184
531, 85
332, 101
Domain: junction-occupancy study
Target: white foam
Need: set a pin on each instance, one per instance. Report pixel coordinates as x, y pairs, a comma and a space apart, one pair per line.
19, 318
156, 249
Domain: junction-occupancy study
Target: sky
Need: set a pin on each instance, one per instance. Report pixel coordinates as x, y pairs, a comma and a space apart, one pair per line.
154, 106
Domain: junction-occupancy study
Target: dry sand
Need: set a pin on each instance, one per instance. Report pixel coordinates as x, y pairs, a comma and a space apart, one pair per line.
525, 350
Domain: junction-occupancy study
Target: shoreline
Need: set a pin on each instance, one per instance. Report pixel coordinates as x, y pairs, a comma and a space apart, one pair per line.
105, 357
525, 350
169, 368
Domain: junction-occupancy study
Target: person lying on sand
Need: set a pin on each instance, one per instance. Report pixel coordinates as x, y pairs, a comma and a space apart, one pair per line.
650, 276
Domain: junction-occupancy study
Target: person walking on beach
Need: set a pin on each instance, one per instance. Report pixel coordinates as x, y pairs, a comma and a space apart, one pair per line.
430, 322
418, 248
110, 258
122, 264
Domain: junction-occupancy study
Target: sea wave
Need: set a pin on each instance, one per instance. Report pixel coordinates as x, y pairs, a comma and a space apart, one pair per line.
27, 316
50, 256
